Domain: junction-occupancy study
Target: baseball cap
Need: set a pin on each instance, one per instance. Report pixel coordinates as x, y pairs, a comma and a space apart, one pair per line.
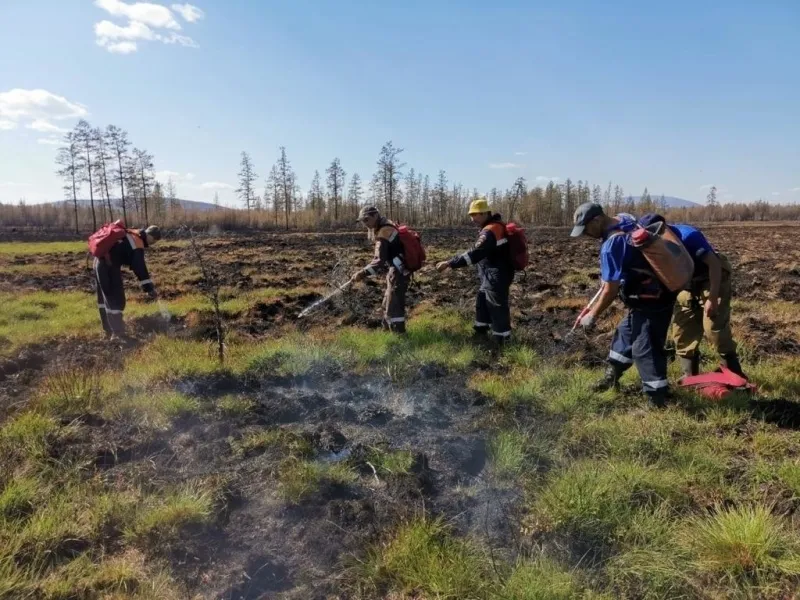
583, 214
367, 211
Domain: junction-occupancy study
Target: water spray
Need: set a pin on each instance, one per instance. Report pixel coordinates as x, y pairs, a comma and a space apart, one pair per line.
342, 288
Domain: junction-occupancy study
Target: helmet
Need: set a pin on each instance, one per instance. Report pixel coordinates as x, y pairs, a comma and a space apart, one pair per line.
479, 206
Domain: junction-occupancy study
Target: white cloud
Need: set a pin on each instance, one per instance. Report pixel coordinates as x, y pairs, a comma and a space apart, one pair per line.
121, 47
797, 189
707, 186
175, 175
215, 185
13, 184
189, 176
36, 107
51, 141
146, 22
146, 13
190, 13
505, 165
44, 126
545, 179
520, 153
776, 193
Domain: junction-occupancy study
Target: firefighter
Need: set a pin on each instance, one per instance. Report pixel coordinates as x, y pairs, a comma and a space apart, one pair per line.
495, 268
127, 252
640, 336
706, 306
388, 258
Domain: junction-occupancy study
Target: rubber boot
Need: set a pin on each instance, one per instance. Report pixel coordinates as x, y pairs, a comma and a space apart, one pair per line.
731, 361
658, 399
609, 381
399, 328
690, 365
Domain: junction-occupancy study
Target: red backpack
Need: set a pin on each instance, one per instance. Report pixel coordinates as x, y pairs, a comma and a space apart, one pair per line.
517, 246
413, 252
102, 240
717, 385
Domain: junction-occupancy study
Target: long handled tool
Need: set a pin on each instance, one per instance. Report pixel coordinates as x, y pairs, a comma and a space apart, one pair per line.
327, 298
583, 313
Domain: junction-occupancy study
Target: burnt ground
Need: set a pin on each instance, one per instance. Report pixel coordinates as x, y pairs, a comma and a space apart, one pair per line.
263, 547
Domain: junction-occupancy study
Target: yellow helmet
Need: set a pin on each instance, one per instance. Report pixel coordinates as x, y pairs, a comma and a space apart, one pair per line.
479, 206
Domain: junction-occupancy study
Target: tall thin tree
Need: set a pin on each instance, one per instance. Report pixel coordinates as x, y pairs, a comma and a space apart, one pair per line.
387, 178
287, 184
117, 142
335, 181
247, 179
69, 159
84, 136
101, 161
144, 174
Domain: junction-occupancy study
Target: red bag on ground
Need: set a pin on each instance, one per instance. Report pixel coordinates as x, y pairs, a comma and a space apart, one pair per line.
518, 246
413, 252
717, 385
102, 240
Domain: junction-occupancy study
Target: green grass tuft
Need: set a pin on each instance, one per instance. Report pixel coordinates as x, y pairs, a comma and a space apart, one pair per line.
298, 478
391, 462
542, 579
165, 516
507, 452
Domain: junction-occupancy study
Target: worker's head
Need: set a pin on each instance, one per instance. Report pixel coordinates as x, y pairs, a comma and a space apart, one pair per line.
480, 212
369, 217
589, 220
153, 234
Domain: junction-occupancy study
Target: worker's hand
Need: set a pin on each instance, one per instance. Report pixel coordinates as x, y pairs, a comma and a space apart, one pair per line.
359, 275
586, 321
711, 308
443, 266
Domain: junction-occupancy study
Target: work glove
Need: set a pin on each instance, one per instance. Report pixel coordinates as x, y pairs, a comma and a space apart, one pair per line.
711, 308
443, 266
585, 320
359, 275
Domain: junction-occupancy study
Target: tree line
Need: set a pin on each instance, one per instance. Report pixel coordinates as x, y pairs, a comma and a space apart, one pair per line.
121, 182
119, 178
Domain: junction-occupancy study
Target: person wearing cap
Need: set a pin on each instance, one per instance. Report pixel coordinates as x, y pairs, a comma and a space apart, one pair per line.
640, 336
128, 252
495, 268
706, 306
388, 257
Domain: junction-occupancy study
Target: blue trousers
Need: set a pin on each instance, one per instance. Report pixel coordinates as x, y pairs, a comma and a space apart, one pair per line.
639, 340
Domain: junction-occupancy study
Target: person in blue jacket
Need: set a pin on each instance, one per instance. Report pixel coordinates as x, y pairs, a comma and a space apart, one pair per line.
640, 337
706, 306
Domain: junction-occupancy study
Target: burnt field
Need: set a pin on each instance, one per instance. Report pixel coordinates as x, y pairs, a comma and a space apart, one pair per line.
325, 458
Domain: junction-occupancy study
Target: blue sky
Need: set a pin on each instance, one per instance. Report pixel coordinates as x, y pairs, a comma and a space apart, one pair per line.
675, 96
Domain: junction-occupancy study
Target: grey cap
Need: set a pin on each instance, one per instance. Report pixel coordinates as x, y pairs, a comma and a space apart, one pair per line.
583, 214
367, 211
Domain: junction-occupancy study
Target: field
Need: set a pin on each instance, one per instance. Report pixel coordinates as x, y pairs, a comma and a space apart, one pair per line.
328, 459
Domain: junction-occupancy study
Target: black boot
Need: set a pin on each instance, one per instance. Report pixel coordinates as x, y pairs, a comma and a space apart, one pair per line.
690, 365
399, 328
658, 399
609, 381
731, 361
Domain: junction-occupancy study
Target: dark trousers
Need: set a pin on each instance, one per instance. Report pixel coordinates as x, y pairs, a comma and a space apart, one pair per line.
394, 301
493, 313
110, 296
639, 340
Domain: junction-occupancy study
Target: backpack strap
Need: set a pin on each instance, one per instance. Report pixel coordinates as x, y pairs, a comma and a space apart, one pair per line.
498, 229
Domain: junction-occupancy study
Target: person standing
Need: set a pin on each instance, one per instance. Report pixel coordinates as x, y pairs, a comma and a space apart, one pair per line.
128, 252
640, 336
492, 258
706, 306
388, 257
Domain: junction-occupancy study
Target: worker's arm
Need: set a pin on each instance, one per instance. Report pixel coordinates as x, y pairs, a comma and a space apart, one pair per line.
485, 244
715, 279
380, 258
139, 268
607, 296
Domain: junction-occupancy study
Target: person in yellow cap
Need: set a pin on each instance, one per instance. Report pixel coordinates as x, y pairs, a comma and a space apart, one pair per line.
492, 258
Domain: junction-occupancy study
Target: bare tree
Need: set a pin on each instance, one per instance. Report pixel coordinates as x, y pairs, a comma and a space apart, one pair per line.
518, 194
216, 200
247, 179
172, 196
117, 143
272, 191
619, 196
143, 164
354, 193
101, 161
597, 194
69, 159
84, 137
316, 199
286, 183
440, 197
335, 181
387, 179
425, 198
412, 194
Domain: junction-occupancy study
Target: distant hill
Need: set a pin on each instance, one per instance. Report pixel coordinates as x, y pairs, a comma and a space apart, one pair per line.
190, 205
672, 201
